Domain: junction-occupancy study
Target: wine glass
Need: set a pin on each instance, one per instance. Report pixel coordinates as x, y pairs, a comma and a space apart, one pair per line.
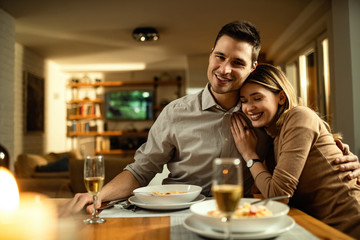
94, 174
227, 188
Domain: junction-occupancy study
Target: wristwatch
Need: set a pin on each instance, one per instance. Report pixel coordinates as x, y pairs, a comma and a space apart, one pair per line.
251, 162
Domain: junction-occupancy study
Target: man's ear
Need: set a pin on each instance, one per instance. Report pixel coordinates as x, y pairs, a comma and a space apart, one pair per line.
282, 97
254, 65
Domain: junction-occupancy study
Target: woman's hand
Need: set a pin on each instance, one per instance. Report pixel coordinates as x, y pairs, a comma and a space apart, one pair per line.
244, 137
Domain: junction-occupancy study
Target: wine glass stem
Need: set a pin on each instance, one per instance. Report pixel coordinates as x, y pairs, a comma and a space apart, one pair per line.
94, 215
227, 230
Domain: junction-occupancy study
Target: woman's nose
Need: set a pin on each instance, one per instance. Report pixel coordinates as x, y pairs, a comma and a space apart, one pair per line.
250, 107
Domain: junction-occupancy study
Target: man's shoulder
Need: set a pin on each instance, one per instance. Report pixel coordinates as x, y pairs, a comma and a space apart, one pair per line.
190, 102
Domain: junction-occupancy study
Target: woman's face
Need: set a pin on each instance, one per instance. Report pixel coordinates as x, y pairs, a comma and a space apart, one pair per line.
260, 104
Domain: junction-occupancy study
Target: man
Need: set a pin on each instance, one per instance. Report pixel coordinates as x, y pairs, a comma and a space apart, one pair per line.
193, 130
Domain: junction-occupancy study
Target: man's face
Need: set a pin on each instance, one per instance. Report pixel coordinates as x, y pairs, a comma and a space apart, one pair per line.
229, 65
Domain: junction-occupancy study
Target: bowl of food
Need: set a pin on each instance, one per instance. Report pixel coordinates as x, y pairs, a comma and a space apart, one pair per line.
247, 217
170, 193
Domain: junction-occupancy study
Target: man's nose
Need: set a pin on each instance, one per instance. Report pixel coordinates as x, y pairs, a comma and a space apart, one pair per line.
225, 67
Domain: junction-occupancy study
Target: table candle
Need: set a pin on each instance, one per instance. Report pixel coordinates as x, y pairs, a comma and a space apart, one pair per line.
25, 215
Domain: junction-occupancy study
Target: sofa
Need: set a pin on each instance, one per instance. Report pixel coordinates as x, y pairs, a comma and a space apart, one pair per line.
59, 174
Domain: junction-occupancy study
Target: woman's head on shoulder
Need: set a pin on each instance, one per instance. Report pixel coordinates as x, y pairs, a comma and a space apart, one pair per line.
266, 95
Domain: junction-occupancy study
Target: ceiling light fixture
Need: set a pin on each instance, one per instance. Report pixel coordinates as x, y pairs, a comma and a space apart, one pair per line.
144, 34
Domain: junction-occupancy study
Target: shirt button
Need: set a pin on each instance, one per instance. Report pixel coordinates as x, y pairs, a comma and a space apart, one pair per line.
218, 107
226, 139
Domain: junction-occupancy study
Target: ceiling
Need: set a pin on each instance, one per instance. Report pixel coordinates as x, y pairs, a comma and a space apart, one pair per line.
99, 32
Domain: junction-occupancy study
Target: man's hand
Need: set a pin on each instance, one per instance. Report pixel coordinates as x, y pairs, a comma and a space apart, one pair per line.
77, 203
348, 162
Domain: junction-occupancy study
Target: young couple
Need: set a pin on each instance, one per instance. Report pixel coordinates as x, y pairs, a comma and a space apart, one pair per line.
194, 130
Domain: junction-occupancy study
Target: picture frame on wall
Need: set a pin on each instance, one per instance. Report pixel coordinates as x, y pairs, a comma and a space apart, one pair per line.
34, 102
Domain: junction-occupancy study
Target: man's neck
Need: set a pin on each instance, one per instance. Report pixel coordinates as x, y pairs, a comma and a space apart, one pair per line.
226, 100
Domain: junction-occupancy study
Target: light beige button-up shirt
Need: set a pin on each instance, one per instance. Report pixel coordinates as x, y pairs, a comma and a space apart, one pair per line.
187, 136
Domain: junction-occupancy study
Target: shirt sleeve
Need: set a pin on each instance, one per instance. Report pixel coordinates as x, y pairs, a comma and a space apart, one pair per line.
298, 134
157, 151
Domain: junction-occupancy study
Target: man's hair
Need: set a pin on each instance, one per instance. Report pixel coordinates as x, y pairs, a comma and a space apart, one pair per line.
242, 31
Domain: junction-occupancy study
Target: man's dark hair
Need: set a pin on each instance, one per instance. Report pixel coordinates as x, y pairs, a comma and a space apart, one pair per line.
242, 31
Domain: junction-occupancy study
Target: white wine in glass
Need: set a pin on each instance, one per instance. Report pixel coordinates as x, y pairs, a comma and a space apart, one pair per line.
94, 175
227, 188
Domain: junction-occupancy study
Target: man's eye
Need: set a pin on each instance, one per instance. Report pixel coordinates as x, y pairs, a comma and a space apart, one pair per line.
238, 63
220, 57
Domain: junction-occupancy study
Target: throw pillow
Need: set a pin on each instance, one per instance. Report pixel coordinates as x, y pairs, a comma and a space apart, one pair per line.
61, 165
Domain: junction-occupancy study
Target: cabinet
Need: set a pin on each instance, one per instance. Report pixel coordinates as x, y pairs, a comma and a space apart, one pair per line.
86, 110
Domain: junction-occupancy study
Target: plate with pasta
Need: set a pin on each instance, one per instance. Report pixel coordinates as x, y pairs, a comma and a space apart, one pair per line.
167, 194
247, 217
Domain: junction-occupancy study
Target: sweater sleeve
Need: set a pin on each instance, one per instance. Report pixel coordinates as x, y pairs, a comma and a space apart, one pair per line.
300, 130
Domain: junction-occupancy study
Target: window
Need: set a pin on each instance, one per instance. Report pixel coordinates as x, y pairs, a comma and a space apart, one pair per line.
310, 75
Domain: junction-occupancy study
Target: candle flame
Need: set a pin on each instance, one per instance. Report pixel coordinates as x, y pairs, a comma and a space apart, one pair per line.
9, 202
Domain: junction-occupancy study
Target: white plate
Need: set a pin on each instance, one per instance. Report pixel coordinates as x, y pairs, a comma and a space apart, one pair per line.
194, 225
188, 193
241, 224
164, 206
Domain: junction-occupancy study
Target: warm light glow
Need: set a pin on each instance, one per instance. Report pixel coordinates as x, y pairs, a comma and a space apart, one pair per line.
103, 67
303, 79
25, 216
9, 201
225, 171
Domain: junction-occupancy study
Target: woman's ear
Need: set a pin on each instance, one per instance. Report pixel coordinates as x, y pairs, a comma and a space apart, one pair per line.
282, 97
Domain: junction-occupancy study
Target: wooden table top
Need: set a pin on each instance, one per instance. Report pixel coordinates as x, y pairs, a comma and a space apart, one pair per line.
159, 227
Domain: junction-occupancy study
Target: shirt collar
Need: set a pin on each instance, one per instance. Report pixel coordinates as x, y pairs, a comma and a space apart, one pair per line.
208, 101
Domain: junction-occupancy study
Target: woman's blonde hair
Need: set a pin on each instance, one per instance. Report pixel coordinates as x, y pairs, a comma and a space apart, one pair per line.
275, 80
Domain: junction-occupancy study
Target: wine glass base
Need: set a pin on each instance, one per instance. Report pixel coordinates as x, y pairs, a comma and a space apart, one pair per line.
94, 220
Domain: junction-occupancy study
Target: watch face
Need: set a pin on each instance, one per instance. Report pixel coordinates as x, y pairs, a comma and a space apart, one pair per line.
250, 163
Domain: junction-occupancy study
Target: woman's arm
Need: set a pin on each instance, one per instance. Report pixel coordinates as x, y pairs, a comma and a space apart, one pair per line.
285, 177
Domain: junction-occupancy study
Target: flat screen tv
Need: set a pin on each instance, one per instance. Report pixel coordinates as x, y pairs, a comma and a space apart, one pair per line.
129, 105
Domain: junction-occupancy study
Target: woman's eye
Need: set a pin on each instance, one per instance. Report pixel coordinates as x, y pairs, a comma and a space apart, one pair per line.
257, 98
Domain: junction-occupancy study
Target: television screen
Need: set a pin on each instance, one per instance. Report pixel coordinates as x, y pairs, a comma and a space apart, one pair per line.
129, 105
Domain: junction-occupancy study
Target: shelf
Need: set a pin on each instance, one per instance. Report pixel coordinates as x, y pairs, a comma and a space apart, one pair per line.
81, 117
115, 151
122, 84
83, 110
107, 133
111, 84
85, 101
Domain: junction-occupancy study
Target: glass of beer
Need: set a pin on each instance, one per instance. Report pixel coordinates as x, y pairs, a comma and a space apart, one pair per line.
227, 188
94, 174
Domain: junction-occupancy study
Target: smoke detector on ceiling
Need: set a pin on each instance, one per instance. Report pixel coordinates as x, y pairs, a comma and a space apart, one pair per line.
145, 34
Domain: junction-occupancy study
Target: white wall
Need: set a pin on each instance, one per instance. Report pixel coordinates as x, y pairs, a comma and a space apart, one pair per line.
26, 61
340, 19
7, 84
55, 111
345, 89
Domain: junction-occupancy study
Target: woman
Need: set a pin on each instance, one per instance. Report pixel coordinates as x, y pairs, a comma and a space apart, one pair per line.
304, 152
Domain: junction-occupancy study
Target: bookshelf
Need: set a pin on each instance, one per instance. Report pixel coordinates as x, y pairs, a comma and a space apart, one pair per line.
85, 113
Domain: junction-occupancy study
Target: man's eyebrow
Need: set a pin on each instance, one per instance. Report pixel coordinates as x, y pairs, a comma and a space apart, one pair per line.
219, 53
237, 59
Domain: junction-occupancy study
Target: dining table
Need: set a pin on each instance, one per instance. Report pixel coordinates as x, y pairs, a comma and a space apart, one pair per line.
142, 223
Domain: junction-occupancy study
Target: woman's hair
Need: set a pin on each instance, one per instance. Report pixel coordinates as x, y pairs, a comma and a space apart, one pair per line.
242, 31
275, 80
